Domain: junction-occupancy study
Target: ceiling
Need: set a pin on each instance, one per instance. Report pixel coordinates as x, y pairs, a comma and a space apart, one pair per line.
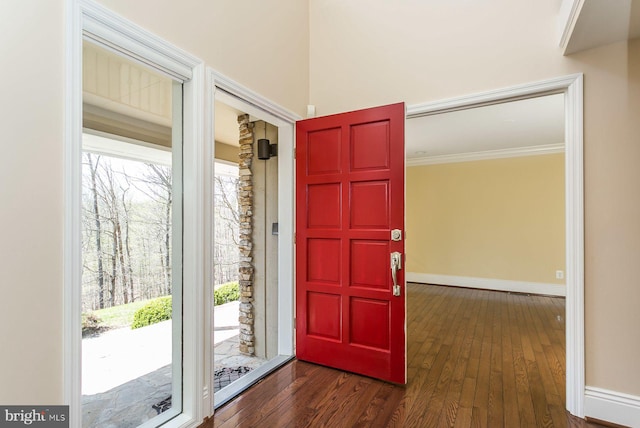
522, 124
226, 124
587, 24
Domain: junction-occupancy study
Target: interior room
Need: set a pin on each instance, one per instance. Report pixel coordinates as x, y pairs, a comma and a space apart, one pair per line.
286, 62
485, 197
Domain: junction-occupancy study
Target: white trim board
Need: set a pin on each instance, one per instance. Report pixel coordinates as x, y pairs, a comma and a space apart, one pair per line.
489, 284
572, 88
612, 406
234, 90
488, 154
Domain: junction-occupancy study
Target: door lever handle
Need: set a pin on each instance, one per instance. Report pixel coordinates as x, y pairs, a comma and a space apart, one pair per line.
396, 264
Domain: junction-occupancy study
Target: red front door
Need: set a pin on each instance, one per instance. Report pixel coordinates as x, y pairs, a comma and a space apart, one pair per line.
349, 200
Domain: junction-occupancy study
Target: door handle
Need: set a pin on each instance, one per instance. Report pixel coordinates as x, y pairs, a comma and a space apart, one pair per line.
396, 264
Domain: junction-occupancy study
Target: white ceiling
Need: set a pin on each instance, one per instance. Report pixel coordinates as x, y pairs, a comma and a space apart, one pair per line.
513, 125
597, 23
226, 124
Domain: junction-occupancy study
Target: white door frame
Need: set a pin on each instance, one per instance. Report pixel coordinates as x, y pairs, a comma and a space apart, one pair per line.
87, 19
572, 87
223, 89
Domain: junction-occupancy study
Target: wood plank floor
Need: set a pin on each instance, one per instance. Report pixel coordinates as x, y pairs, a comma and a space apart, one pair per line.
476, 358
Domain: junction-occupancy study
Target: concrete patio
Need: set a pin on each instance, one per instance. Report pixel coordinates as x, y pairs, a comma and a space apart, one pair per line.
126, 372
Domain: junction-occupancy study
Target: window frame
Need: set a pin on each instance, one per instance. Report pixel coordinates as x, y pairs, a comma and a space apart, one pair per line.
90, 21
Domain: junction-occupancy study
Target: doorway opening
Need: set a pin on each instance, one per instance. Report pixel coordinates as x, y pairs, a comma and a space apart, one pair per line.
252, 334
245, 248
486, 197
570, 89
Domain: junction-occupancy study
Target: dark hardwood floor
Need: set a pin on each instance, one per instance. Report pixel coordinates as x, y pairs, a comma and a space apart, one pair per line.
476, 358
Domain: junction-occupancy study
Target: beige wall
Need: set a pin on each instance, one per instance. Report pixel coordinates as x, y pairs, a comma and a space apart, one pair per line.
265, 245
498, 219
364, 54
31, 194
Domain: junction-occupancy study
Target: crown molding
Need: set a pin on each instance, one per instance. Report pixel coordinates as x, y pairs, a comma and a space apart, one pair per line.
488, 154
567, 19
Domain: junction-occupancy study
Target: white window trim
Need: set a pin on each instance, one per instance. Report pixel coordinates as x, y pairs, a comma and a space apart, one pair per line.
91, 20
572, 87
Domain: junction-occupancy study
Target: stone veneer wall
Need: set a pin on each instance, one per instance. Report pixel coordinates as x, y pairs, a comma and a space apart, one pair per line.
246, 270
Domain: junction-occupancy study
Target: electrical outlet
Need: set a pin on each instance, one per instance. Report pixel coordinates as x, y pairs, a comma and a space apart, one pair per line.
559, 274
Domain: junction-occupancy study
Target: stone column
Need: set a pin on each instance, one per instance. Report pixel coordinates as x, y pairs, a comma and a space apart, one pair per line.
246, 270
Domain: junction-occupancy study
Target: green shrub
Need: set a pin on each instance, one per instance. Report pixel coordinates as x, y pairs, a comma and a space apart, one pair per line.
154, 311
91, 324
226, 293
120, 315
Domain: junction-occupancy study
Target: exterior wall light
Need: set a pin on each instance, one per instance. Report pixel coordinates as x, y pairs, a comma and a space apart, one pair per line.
265, 149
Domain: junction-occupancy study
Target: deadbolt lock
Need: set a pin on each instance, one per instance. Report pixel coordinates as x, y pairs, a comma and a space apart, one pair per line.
396, 235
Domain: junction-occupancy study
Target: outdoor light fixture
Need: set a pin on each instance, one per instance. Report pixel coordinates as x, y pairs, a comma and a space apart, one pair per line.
265, 148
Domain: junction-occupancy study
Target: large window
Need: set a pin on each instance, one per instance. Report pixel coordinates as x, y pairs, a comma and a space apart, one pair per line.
132, 240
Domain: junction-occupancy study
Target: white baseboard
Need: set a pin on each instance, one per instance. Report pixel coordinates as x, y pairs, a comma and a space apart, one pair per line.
489, 284
612, 406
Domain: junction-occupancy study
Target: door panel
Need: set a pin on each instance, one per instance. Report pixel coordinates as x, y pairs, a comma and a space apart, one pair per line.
323, 261
324, 151
350, 195
370, 146
323, 311
369, 323
369, 260
370, 205
324, 208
